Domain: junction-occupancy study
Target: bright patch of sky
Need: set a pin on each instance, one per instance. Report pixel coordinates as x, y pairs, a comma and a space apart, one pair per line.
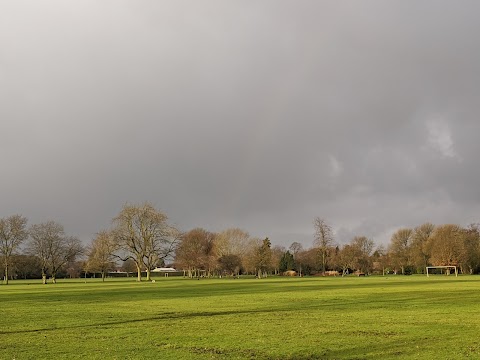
439, 137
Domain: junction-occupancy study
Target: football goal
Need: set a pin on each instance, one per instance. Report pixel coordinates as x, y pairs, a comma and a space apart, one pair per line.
448, 267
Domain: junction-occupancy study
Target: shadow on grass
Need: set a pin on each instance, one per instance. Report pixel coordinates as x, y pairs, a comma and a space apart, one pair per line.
391, 349
165, 316
380, 350
187, 288
387, 348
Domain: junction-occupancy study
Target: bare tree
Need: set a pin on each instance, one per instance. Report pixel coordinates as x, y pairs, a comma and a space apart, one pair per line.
263, 258
346, 258
309, 260
470, 259
40, 237
419, 247
142, 234
13, 231
277, 253
249, 255
323, 240
296, 248
232, 242
101, 253
186, 253
381, 259
196, 251
446, 244
54, 249
363, 248
128, 266
230, 264
400, 248
236, 242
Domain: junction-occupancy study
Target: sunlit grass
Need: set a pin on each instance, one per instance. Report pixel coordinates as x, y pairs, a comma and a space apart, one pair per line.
274, 318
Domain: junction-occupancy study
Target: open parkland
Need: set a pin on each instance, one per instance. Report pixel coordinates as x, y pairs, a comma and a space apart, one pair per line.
376, 317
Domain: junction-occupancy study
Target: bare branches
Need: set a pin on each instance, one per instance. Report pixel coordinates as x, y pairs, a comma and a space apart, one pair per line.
323, 239
143, 234
101, 253
323, 233
54, 249
13, 232
196, 250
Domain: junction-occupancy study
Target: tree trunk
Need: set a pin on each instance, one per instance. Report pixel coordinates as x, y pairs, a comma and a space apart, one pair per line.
323, 263
54, 278
139, 273
103, 276
44, 277
148, 274
6, 274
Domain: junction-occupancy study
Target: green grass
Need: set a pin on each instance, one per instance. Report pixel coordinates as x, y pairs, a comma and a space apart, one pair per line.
276, 318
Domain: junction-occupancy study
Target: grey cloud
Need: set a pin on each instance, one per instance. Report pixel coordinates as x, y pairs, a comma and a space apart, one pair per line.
261, 115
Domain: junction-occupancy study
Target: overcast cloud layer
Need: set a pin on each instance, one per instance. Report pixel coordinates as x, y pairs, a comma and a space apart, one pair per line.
252, 114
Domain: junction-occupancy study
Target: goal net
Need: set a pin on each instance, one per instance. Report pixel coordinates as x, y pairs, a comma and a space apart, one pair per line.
447, 268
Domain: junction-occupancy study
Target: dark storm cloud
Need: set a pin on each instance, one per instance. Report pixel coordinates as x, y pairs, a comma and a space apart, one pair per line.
260, 115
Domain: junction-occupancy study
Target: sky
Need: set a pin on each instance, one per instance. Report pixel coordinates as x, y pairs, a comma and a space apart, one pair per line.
260, 115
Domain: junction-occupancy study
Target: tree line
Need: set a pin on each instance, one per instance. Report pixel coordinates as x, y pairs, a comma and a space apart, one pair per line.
141, 237
48, 246
410, 251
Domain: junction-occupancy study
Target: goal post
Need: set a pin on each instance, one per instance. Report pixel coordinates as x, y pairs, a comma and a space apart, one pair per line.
443, 267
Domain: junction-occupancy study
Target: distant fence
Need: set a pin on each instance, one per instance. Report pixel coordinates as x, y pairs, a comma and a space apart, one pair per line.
122, 274
165, 273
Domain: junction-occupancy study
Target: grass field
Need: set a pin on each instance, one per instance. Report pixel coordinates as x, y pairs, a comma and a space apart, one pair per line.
276, 318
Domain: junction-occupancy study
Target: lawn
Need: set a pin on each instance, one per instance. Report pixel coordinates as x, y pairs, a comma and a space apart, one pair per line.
412, 317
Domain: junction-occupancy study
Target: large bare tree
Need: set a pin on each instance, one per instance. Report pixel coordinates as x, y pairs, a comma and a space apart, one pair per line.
232, 241
249, 256
400, 248
470, 259
142, 234
13, 231
196, 251
277, 253
363, 248
263, 258
419, 247
101, 253
323, 240
295, 249
54, 249
230, 264
446, 244
346, 258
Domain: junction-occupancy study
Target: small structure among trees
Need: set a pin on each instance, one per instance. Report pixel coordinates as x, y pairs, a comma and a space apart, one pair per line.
448, 267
